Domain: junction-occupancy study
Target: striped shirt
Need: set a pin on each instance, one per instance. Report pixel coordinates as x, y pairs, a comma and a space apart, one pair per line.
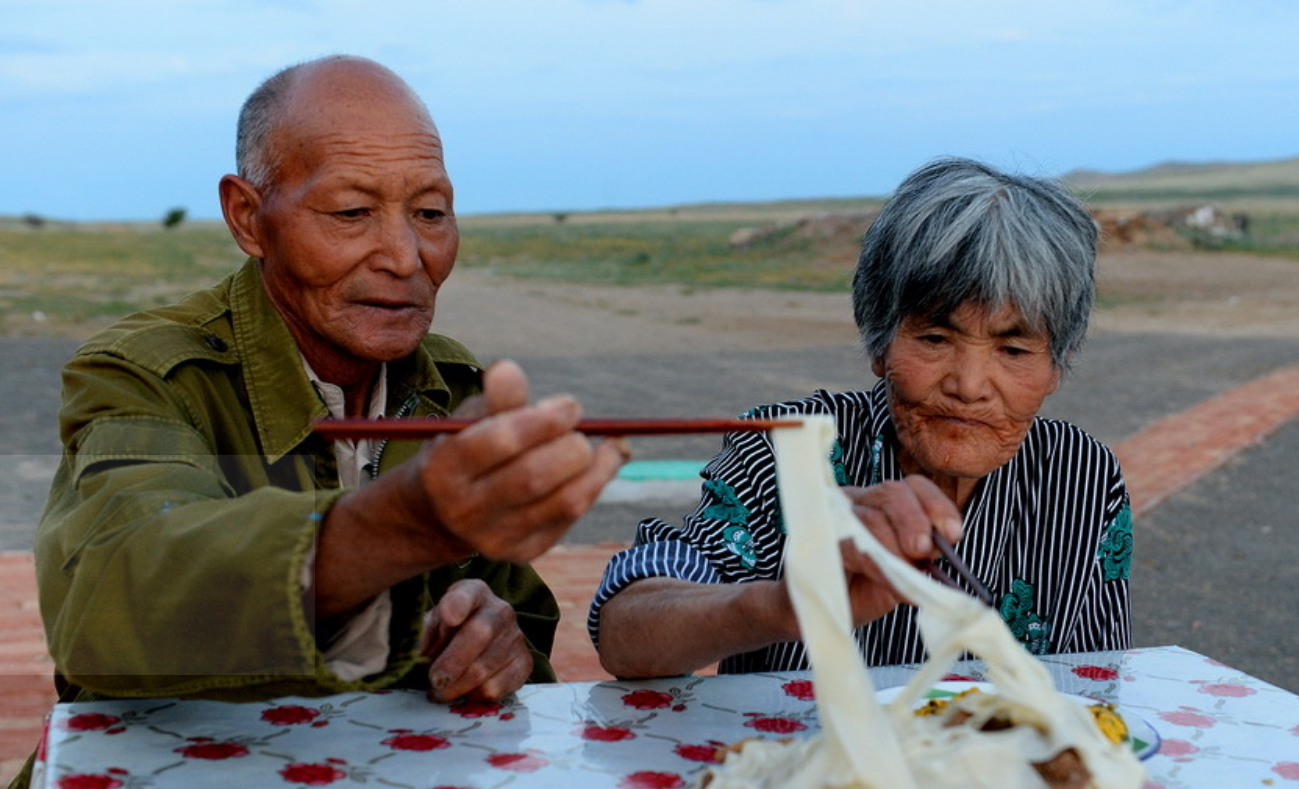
1049, 533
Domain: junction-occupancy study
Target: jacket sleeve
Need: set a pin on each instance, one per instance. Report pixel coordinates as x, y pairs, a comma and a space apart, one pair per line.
150, 525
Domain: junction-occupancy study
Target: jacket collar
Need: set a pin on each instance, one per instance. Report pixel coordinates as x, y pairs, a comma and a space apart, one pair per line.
281, 398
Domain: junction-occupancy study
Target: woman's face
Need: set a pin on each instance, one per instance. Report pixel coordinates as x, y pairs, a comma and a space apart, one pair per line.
964, 390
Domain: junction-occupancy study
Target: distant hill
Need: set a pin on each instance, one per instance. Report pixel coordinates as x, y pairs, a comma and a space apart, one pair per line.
1170, 181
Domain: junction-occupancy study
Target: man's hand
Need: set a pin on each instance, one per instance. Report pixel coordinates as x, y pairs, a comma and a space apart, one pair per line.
475, 644
509, 486
902, 516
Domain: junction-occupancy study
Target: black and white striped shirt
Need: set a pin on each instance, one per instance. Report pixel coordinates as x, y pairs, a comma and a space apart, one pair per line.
1049, 533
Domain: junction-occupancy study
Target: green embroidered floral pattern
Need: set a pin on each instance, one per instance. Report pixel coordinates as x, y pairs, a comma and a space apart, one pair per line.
1115, 554
739, 541
727, 506
836, 462
1028, 627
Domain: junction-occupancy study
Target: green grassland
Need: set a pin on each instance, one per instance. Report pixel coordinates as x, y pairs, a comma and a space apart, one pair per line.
67, 278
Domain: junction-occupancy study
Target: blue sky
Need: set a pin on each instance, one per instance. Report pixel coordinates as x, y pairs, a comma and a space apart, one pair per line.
124, 109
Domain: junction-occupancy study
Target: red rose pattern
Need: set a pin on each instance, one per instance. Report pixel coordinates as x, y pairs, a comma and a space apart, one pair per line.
774, 725
1289, 770
591, 731
651, 780
312, 774
800, 689
477, 709
1177, 750
88, 781
91, 721
289, 715
647, 699
416, 742
212, 751
517, 762
699, 753
1224, 690
1188, 718
1096, 673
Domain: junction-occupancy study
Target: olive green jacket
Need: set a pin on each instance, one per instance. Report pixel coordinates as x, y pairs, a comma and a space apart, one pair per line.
191, 487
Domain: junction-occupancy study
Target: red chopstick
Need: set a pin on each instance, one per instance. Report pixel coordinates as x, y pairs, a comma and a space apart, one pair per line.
414, 429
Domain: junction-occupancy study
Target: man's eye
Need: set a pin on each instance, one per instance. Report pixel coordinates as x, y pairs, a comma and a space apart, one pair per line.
430, 214
351, 213
931, 339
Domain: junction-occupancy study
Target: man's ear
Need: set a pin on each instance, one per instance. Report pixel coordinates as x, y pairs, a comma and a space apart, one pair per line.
240, 202
877, 366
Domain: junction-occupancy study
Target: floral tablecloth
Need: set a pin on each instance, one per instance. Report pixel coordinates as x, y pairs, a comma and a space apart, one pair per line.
1218, 728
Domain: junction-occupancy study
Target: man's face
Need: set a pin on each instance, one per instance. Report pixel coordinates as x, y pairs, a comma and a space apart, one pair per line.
358, 232
963, 391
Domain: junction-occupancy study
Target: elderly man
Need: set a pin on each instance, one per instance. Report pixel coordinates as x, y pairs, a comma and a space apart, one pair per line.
200, 540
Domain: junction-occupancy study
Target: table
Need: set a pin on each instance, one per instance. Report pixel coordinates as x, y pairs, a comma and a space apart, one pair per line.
1219, 728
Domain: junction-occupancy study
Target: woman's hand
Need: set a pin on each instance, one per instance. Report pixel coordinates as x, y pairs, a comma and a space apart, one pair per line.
902, 515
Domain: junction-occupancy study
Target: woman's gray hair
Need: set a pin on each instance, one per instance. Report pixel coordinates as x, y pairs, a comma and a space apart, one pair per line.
957, 231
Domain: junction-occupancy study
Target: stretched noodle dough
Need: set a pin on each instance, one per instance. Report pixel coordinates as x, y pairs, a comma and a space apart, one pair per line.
864, 745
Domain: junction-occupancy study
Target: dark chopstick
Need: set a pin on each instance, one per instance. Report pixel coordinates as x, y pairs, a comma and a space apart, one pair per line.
414, 429
961, 569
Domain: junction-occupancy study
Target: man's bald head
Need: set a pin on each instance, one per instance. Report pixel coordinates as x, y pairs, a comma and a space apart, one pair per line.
295, 93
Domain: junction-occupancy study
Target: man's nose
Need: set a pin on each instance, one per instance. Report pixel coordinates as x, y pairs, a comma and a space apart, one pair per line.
398, 250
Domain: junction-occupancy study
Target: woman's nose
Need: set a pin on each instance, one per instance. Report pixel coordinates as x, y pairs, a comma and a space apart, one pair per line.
969, 377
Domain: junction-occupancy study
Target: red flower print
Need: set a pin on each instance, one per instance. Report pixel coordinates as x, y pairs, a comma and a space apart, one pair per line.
697, 753
1288, 770
647, 700
416, 742
88, 781
289, 715
651, 780
1096, 673
1176, 748
591, 731
1188, 718
213, 751
1225, 690
517, 762
1295, 731
468, 708
312, 774
800, 689
91, 721
774, 725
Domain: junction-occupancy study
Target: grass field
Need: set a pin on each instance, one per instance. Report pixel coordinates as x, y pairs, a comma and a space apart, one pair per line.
66, 279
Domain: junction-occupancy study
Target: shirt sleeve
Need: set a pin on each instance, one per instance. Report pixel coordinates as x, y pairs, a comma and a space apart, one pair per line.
734, 535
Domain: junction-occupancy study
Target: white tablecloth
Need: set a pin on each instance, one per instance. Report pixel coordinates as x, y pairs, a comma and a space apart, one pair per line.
1218, 728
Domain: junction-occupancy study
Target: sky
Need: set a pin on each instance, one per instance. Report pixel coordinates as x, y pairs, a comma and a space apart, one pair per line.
123, 110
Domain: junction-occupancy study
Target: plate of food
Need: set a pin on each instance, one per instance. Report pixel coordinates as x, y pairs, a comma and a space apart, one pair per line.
1117, 724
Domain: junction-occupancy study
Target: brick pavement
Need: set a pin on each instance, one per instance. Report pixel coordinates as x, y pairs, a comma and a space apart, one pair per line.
1160, 460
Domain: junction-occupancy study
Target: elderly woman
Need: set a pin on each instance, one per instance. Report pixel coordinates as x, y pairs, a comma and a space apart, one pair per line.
972, 293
